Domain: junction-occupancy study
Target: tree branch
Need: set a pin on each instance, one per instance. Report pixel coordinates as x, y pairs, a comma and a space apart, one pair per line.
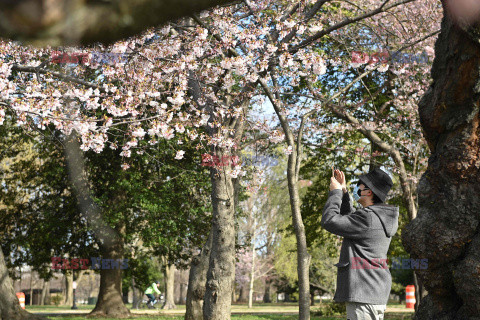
62, 76
344, 23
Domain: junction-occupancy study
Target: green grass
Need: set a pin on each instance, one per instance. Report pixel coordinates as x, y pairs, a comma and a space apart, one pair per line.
266, 312
240, 317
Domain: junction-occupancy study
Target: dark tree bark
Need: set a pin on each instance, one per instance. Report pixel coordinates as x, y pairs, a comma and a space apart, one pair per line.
196, 282
446, 230
9, 305
169, 287
266, 295
58, 22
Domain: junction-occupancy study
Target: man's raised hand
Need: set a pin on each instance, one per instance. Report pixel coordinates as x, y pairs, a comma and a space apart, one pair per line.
340, 176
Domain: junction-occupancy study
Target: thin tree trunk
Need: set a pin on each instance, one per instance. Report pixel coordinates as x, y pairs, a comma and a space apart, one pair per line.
31, 287
68, 288
169, 287
221, 271
45, 299
196, 282
252, 270
303, 257
181, 296
252, 279
9, 305
137, 296
293, 169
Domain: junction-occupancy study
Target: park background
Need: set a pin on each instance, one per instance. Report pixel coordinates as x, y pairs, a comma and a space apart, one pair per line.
112, 159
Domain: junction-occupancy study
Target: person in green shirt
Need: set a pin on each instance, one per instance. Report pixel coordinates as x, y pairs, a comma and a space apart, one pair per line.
149, 292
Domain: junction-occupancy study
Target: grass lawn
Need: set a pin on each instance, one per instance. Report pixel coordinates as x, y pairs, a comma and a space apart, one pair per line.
260, 311
240, 317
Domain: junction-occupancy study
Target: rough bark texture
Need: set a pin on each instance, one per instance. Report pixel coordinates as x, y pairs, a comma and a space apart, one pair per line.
196, 282
110, 301
221, 271
57, 22
169, 287
9, 305
446, 230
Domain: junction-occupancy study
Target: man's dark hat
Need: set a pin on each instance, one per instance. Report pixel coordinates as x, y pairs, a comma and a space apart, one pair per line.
378, 181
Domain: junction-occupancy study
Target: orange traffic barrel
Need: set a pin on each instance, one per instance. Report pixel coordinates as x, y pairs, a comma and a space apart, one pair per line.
21, 299
410, 296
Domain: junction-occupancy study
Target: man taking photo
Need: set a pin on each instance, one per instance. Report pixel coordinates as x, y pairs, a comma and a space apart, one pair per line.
363, 278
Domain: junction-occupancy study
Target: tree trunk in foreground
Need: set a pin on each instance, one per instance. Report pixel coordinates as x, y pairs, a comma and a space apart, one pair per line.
169, 287
9, 305
446, 230
50, 22
221, 271
196, 282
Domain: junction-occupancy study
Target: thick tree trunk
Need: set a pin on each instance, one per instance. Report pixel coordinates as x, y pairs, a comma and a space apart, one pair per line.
446, 230
196, 282
9, 305
110, 240
68, 288
110, 302
266, 295
169, 287
221, 271
242, 296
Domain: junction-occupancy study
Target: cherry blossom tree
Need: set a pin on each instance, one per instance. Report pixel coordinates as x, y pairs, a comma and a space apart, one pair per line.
196, 79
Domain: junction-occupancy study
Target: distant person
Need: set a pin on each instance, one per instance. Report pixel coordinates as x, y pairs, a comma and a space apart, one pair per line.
149, 293
363, 279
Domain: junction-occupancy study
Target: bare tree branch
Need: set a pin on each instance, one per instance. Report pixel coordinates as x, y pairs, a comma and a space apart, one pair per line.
344, 23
